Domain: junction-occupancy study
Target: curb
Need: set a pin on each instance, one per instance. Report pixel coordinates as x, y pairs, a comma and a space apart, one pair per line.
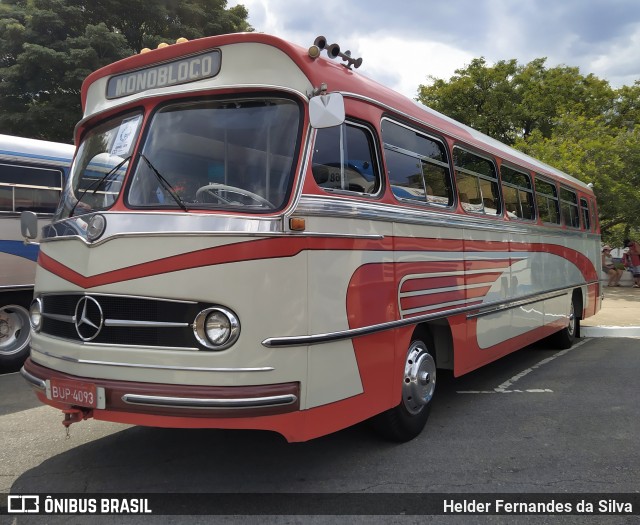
610, 331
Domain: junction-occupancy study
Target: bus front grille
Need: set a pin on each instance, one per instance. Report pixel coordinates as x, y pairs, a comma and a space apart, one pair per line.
120, 320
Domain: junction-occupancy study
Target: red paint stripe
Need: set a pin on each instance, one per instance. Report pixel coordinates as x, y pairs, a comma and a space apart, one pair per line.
230, 253
429, 283
293, 245
488, 265
478, 278
443, 309
419, 301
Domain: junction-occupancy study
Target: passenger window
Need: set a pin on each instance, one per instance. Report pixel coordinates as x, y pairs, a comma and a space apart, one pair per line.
416, 165
29, 188
569, 208
344, 160
547, 200
477, 183
518, 194
586, 219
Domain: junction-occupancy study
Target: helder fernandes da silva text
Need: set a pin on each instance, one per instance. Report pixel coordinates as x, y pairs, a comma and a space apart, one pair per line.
602, 506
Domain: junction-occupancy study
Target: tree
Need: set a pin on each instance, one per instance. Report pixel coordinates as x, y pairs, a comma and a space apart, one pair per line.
595, 152
48, 47
576, 123
146, 24
508, 101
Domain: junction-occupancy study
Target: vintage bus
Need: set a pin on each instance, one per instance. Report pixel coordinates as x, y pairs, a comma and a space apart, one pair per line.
32, 173
283, 244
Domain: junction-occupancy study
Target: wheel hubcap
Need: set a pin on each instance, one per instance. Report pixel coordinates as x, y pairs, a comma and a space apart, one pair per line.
572, 321
14, 329
419, 378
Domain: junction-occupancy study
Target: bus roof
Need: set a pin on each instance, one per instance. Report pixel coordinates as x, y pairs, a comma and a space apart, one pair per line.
342, 79
11, 146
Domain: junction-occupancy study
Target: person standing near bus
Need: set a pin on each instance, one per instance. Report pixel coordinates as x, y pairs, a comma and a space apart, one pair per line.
632, 260
608, 266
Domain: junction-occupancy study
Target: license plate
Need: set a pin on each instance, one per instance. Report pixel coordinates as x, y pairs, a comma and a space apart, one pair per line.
74, 393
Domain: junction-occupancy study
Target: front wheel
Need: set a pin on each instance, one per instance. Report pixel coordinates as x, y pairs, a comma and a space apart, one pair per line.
406, 420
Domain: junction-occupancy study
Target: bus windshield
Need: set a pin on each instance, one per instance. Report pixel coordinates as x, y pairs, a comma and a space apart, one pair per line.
98, 171
218, 154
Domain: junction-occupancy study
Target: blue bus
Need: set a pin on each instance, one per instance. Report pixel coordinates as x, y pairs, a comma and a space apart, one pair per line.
32, 175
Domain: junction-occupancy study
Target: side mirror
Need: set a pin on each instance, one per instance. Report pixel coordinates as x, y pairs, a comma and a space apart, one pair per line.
29, 224
326, 111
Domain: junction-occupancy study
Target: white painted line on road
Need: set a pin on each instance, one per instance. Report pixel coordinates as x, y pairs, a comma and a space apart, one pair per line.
504, 388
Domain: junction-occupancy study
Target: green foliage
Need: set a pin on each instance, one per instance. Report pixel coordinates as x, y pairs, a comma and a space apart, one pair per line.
48, 47
576, 123
508, 101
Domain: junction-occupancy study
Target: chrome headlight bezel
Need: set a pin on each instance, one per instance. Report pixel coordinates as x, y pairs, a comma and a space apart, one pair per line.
204, 328
96, 227
35, 314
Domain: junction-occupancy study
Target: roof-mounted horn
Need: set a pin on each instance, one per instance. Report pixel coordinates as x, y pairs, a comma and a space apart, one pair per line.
333, 51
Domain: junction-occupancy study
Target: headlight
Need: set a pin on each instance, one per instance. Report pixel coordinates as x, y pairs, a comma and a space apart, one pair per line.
96, 227
35, 314
216, 328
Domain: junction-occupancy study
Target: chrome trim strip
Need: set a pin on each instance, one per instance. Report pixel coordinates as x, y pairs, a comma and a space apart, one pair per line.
161, 224
243, 234
34, 381
98, 294
206, 403
426, 215
514, 304
58, 317
486, 309
153, 367
117, 345
143, 324
371, 236
15, 287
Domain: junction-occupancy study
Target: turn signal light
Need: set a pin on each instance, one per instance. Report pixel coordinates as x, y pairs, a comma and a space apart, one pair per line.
297, 224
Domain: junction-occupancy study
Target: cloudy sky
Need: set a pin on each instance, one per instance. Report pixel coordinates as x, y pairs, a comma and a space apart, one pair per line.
402, 42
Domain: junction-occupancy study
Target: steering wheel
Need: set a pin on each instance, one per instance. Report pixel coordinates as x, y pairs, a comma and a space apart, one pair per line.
214, 187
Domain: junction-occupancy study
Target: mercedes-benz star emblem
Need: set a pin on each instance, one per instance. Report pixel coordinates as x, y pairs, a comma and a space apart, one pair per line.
88, 318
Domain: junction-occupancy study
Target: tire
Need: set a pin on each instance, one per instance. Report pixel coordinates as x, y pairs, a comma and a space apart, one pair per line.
406, 420
567, 336
14, 335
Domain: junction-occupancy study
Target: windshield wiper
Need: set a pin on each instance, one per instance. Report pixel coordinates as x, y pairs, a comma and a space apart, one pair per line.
165, 184
97, 183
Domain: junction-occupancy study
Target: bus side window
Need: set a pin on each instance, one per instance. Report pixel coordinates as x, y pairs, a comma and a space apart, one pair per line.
547, 200
29, 188
477, 178
356, 170
569, 208
417, 165
586, 220
518, 194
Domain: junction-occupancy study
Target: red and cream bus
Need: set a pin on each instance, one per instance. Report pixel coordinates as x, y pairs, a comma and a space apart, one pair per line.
283, 244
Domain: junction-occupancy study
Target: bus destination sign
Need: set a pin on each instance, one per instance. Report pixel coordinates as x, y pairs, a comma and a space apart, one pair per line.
180, 71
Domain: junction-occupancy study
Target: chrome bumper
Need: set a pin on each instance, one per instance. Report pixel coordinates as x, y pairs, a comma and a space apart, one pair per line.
33, 380
200, 403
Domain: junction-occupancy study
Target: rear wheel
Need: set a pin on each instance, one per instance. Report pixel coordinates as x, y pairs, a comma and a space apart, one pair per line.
566, 337
406, 420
